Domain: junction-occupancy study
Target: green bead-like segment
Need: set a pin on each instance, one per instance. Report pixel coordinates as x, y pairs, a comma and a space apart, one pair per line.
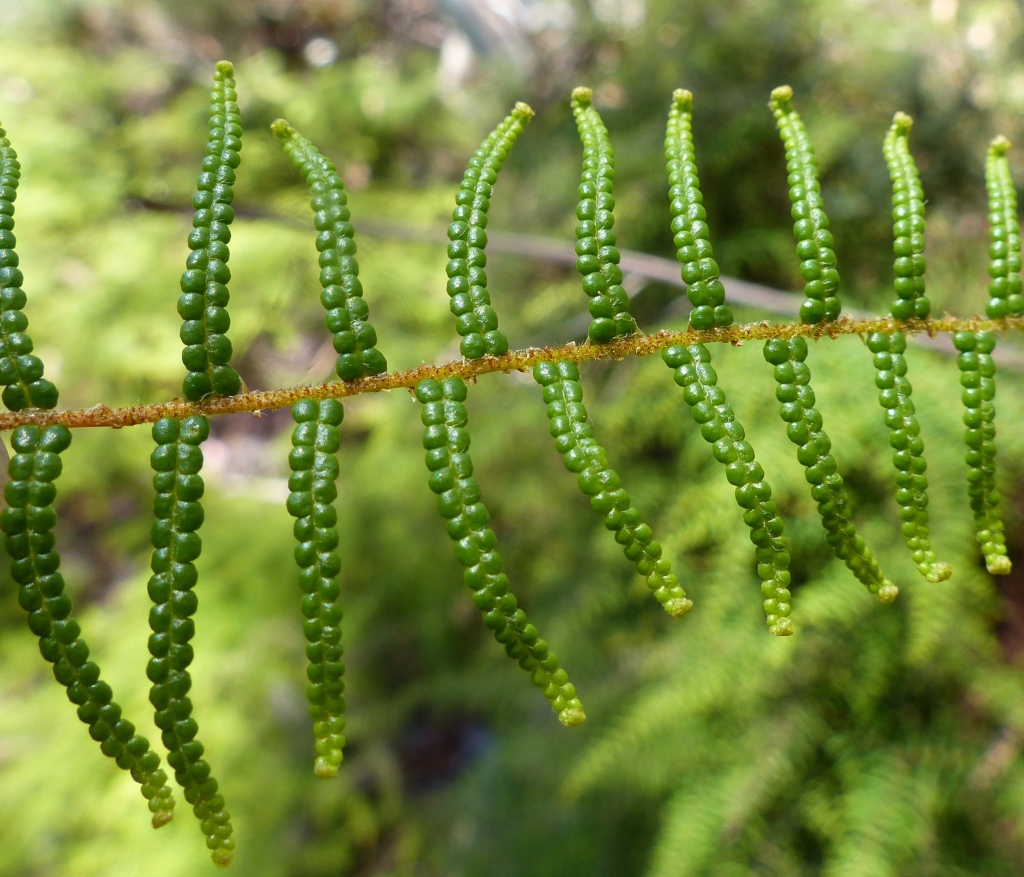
347, 318
27, 523
699, 270
314, 464
1004, 235
720, 428
977, 377
21, 372
177, 461
805, 429
810, 224
574, 439
908, 451
475, 320
446, 440
907, 223
204, 285
597, 259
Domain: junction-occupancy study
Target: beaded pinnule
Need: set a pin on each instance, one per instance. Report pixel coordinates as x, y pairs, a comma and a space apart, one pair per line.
446, 440
314, 464
597, 259
574, 439
177, 461
1004, 235
204, 284
814, 241
28, 522
21, 372
347, 318
977, 377
475, 319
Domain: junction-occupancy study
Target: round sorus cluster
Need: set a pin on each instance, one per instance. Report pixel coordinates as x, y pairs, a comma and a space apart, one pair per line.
314, 464
805, 430
810, 226
446, 440
725, 434
204, 284
977, 377
597, 259
21, 371
28, 522
907, 223
475, 319
177, 461
690, 232
1004, 235
355, 340
908, 450
574, 438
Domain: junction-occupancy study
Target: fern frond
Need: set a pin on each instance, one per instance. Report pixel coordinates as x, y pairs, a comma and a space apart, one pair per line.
886, 817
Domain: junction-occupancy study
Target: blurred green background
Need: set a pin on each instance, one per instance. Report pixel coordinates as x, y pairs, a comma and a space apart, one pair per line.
878, 740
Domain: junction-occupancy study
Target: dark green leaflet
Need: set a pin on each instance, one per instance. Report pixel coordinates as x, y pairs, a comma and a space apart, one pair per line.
29, 518
446, 440
21, 372
314, 464
347, 314
475, 319
204, 291
574, 438
177, 461
693, 371
887, 349
792, 375
596, 256
1004, 231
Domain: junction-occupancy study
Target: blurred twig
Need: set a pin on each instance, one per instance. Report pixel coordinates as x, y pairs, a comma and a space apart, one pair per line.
646, 267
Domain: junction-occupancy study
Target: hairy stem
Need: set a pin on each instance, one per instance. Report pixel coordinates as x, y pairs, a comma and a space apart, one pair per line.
257, 401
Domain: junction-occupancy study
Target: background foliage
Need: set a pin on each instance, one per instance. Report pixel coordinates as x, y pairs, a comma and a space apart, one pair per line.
878, 740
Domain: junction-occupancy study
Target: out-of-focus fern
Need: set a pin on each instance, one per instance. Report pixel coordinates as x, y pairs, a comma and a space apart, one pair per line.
846, 749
